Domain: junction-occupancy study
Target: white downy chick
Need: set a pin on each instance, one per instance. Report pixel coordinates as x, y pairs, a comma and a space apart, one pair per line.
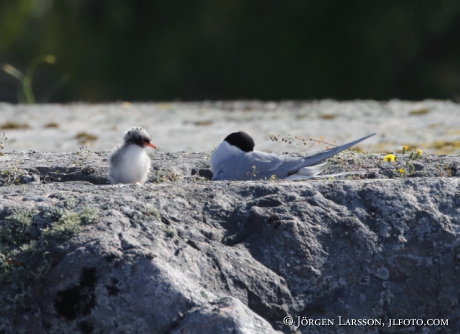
130, 162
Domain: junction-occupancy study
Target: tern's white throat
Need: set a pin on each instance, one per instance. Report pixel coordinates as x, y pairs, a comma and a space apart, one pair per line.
222, 152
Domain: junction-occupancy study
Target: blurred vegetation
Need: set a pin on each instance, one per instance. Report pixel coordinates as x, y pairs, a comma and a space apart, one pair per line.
146, 50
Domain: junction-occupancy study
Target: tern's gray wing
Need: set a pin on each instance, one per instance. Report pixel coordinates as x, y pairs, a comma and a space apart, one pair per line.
315, 158
257, 165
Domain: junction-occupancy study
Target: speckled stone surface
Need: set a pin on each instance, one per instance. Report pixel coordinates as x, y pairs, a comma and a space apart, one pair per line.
183, 254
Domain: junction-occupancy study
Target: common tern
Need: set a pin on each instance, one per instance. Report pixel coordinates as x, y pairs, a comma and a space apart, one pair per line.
130, 162
235, 159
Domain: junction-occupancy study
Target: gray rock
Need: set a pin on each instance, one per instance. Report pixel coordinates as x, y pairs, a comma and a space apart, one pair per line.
182, 254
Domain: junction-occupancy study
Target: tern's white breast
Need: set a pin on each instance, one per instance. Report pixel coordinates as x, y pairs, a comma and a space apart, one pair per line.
223, 152
129, 164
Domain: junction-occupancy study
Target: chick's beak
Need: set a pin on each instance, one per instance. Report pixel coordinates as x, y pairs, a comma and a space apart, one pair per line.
149, 144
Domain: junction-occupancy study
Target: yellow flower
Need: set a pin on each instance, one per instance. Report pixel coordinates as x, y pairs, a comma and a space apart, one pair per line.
419, 152
405, 149
401, 171
389, 158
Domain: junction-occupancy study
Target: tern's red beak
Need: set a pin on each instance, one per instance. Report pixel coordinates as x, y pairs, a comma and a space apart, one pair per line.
149, 144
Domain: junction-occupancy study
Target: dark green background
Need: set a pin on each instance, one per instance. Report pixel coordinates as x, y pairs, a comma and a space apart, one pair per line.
150, 50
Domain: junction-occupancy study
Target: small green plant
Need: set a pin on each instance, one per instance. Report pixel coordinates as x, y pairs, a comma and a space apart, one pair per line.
346, 157
81, 157
198, 179
3, 140
252, 172
12, 174
88, 215
405, 167
69, 222
15, 230
25, 94
67, 225
415, 155
445, 170
151, 211
166, 175
170, 232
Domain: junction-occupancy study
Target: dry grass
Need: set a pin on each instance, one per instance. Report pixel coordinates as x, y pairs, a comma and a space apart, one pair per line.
328, 116
418, 112
84, 137
202, 123
14, 126
51, 125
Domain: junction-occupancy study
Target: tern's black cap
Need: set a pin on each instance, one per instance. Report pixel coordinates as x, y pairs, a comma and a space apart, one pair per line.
241, 140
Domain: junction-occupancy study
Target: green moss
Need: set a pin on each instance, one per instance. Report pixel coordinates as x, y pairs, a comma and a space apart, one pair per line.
151, 211
23, 243
166, 175
16, 227
88, 215
170, 232
67, 225
19, 250
69, 222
